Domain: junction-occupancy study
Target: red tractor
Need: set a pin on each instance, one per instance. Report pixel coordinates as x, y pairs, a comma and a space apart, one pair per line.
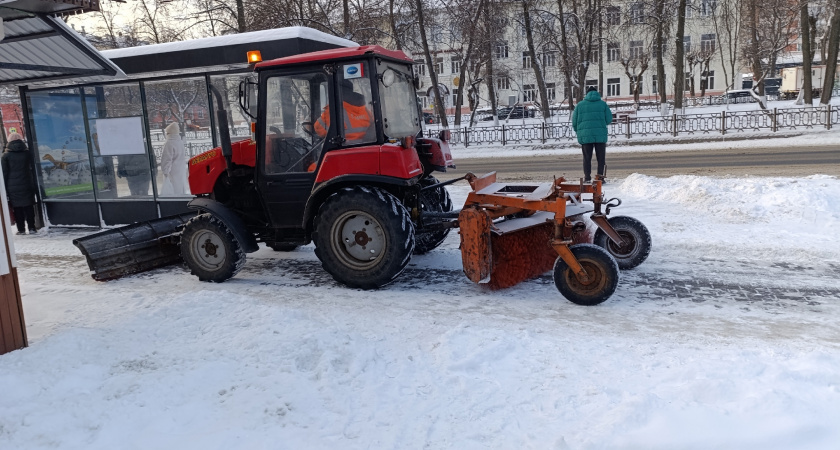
336, 158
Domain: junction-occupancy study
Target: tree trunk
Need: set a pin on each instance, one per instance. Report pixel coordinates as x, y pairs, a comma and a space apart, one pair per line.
567, 70
805, 34
240, 16
346, 7
421, 22
660, 65
831, 59
393, 22
465, 60
491, 82
679, 68
535, 63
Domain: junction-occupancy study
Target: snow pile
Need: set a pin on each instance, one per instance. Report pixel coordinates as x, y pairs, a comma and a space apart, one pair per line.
725, 338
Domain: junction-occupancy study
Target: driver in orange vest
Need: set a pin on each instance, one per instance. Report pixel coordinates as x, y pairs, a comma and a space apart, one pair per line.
356, 117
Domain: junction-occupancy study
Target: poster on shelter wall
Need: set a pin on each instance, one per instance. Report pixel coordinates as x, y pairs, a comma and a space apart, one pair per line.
119, 136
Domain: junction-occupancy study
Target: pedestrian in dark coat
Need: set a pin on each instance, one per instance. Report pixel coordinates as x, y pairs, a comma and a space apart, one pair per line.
20, 183
590, 120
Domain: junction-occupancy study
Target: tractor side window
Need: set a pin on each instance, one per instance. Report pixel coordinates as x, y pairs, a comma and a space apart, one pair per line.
396, 87
357, 105
296, 106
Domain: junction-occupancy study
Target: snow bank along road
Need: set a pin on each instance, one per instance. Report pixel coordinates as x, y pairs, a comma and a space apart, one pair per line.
738, 162
727, 337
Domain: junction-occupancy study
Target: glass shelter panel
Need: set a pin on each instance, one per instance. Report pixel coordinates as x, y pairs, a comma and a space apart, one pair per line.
179, 122
297, 120
118, 136
61, 145
238, 121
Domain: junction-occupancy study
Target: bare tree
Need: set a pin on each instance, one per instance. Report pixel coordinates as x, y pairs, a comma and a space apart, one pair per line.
220, 17
831, 57
769, 27
727, 24
807, 55
679, 55
535, 61
421, 22
465, 29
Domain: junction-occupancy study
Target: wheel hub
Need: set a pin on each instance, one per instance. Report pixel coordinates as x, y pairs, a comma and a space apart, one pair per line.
208, 250
362, 239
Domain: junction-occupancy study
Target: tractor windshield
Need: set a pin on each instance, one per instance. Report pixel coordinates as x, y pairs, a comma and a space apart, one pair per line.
400, 118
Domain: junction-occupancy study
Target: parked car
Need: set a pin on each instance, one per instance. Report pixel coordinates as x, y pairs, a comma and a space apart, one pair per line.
429, 118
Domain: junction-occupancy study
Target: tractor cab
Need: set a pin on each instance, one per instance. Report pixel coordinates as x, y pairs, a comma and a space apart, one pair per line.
332, 116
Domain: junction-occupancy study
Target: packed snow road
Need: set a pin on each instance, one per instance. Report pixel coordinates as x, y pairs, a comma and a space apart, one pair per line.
726, 337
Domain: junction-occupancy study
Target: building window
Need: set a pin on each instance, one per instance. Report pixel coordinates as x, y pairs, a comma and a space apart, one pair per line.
707, 43
689, 9
591, 83
549, 59
500, 50
613, 87
638, 85
596, 53
636, 49
551, 91
637, 13
454, 96
439, 66
420, 67
456, 64
655, 50
613, 15
653, 85
613, 52
526, 60
530, 93
687, 44
707, 7
708, 81
503, 83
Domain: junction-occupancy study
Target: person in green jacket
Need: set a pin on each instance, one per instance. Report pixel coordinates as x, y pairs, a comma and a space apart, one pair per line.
590, 120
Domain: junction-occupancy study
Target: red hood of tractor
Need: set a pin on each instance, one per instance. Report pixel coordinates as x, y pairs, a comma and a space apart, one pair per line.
204, 169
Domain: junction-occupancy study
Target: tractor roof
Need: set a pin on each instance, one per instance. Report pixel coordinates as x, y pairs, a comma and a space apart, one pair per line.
335, 54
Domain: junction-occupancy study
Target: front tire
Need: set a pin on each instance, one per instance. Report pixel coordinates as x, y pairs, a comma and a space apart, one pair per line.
209, 249
435, 200
363, 236
636, 237
601, 268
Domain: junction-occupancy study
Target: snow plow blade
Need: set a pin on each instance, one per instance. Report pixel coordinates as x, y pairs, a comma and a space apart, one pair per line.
134, 248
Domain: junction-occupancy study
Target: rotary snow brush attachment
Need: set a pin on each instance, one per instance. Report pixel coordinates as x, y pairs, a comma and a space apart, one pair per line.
133, 248
514, 232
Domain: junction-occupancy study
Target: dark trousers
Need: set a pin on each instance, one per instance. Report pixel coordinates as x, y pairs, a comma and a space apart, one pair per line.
600, 154
25, 213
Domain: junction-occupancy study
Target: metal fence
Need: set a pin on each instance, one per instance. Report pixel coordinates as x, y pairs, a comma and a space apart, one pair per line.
627, 126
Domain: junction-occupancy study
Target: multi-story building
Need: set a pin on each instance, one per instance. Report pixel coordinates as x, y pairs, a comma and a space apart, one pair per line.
626, 54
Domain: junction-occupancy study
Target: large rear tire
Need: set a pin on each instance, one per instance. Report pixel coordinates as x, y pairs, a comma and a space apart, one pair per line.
636, 237
209, 249
601, 268
363, 236
435, 200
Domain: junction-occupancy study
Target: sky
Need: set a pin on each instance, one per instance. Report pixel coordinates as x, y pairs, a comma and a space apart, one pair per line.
726, 337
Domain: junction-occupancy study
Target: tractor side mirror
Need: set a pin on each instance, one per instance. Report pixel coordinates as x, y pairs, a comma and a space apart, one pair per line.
248, 97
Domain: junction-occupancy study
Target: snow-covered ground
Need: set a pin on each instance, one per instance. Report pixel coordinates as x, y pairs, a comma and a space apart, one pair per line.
727, 337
